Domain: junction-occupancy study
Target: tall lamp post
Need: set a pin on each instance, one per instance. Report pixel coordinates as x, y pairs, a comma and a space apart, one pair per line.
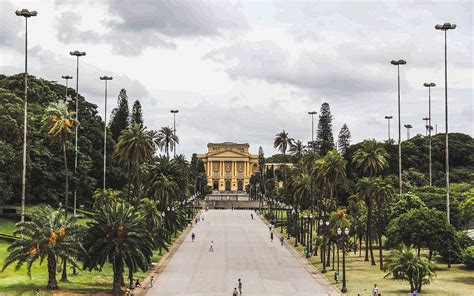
26, 14
398, 63
105, 78
343, 235
324, 225
388, 127
77, 54
66, 77
174, 129
312, 113
408, 127
445, 27
429, 127
426, 119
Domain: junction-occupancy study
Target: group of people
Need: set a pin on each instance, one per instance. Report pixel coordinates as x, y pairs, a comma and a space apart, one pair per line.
238, 292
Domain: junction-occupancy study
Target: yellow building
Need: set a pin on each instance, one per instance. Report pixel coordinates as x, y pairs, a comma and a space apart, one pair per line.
229, 166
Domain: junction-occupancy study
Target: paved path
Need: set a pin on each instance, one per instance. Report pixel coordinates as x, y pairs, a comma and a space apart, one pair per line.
242, 249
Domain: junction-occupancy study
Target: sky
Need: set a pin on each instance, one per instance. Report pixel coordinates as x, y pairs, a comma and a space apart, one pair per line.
242, 71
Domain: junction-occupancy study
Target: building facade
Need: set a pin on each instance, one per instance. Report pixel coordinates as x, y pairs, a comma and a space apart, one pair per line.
229, 166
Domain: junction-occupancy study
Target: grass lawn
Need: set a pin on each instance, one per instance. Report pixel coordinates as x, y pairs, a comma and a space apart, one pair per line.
18, 283
361, 277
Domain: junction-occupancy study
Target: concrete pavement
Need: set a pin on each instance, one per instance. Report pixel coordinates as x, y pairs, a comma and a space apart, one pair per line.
242, 249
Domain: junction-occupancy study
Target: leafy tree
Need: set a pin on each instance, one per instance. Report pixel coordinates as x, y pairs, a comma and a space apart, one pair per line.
404, 203
105, 198
120, 115
282, 142
324, 137
382, 192
344, 139
166, 139
332, 168
468, 257
370, 158
118, 235
422, 228
46, 234
404, 264
59, 122
137, 114
297, 149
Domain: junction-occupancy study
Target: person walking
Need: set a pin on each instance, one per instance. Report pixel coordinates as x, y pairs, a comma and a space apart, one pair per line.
211, 247
151, 282
235, 293
375, 290
271, 236
281, 240
193, 236
251, 216
240, 287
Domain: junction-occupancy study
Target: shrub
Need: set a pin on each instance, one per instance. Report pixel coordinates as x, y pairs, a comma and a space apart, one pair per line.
468, 257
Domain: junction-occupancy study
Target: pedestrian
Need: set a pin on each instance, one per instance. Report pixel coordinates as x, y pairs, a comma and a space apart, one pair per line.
137, 284
269, 227
193, 236
251, 216
235, 293
211, 247
202, 218
151, 282
375, 290
271, 236
240, 287
281, 240
37, 292
415, 293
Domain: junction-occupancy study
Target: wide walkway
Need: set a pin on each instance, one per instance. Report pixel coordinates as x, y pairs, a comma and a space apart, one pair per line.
242, 249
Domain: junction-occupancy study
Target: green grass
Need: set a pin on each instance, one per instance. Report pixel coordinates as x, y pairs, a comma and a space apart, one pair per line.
7, 226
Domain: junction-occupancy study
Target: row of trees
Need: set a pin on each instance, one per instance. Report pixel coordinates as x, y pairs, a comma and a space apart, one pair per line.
355, 187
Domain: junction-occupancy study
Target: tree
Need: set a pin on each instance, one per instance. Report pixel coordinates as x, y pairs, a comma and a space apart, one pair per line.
297, 149
105, 198
332, 168
46, 234
282, 142
120, 115
137, 115
135, 147
383, 192
404, 264
324, 137
370, 158
364, 188
166, 139
59, 122
344, 139
118, 235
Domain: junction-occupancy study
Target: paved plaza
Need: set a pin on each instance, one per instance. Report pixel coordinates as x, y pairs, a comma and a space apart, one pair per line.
242, 249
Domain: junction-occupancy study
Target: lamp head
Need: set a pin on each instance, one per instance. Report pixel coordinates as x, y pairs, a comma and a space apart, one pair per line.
77, 53
388, 117
408, 126
66, 77
399, 62
426, 118
312, 112
106, 78
26, 13
445, 27
174, 111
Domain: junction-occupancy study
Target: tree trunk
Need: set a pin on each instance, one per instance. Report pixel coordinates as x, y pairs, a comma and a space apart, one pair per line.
431, 254
129, 180
64, 271
117, 286
369, 232
360, 245
328, 258
380, 250
333, 255
130, 277
66, 199
52, 283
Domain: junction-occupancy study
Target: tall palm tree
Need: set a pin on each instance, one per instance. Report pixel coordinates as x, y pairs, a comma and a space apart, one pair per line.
135, 146
59, 122
371, 158
332, 168
365, 188
166, 139
49, 234
281, 143
382, 191
297, 149
118, 235
165, 181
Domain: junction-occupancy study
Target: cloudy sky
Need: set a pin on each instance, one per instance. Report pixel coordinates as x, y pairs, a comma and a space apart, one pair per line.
244, 70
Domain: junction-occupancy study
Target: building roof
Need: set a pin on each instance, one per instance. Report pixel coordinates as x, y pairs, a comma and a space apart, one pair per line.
228, 144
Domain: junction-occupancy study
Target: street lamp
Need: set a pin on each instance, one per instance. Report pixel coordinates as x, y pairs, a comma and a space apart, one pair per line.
430, 128
77, 54
312, 113
67, 77
388, 120
445, 27
324, 225
426, 119
174, 129
408, 127
398, 63
105, 78
343, 237
26, 14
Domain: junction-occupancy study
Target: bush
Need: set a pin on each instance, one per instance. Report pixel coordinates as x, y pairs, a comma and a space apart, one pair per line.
468, 257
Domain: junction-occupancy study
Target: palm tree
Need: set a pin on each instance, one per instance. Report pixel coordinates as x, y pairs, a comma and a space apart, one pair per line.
166, 139
150, 214
49, 234
371, 158
332, 168
135, 146
382, 191
404, 264
59, 122
104, 198
281, 142
118, 235
365, 188
165, 181
297, 149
